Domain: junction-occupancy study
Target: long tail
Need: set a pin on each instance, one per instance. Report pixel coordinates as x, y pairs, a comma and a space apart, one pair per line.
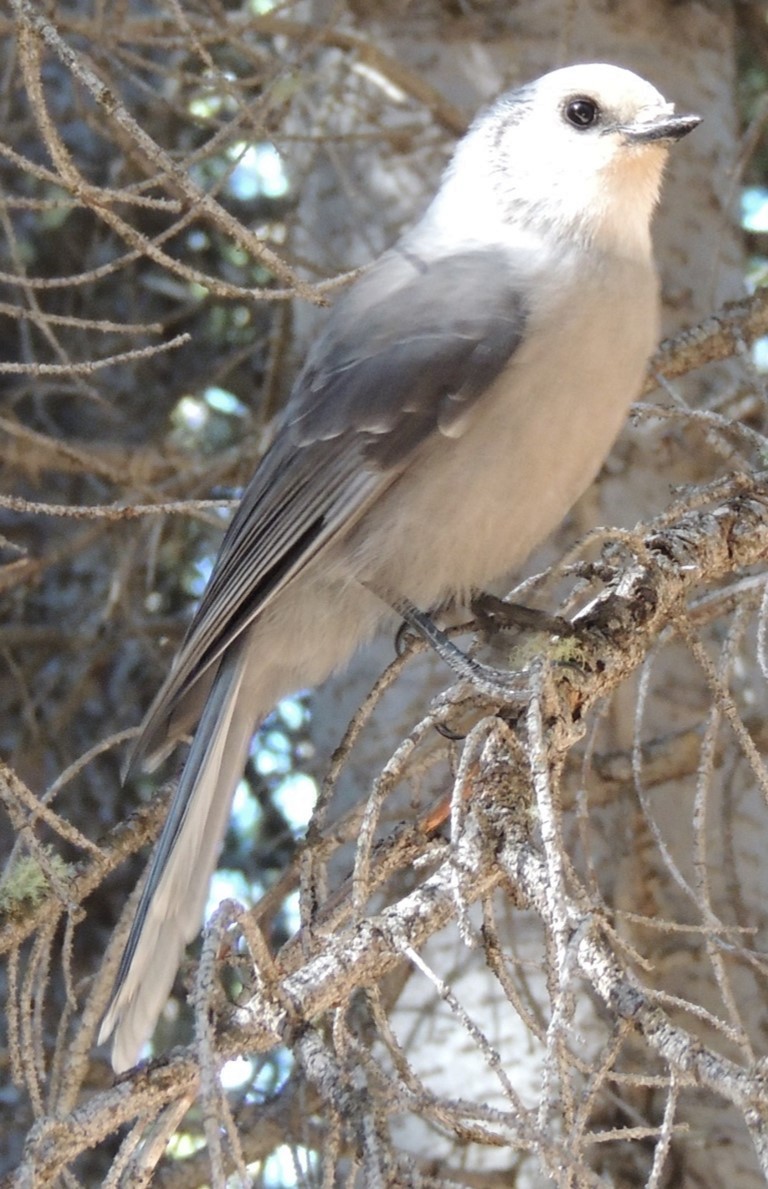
171, 906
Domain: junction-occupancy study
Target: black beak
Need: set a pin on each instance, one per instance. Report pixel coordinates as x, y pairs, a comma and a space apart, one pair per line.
662, 128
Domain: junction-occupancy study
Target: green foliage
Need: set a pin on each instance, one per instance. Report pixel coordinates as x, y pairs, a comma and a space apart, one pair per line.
28, 882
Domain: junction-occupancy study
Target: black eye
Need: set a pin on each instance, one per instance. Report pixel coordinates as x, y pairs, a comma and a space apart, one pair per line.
582, 113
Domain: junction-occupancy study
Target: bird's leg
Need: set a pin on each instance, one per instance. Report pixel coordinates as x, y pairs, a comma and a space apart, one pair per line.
407, 628
424, 626
489, 680
494, 614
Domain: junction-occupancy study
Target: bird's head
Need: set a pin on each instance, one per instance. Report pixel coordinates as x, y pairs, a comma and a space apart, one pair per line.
580, 151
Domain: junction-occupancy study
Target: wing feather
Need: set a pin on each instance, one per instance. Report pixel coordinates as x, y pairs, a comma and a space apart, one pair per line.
405, 354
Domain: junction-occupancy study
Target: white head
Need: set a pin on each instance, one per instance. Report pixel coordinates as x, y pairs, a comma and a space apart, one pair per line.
579, 152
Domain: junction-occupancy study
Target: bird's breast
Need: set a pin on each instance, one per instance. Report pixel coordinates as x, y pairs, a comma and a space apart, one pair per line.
470, 508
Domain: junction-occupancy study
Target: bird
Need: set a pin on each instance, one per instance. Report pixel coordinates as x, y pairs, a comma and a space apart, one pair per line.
461, 395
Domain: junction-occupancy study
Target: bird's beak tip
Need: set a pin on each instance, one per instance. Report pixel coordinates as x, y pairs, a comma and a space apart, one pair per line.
662, 128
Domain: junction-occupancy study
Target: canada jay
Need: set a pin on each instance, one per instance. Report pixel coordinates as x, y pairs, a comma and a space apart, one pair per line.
462, 395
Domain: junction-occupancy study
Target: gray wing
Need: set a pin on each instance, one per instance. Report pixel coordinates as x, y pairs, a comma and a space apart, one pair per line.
404, 354
414, 344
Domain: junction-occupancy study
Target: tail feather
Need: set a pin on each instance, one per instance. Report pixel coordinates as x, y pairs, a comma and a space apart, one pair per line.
173, 897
